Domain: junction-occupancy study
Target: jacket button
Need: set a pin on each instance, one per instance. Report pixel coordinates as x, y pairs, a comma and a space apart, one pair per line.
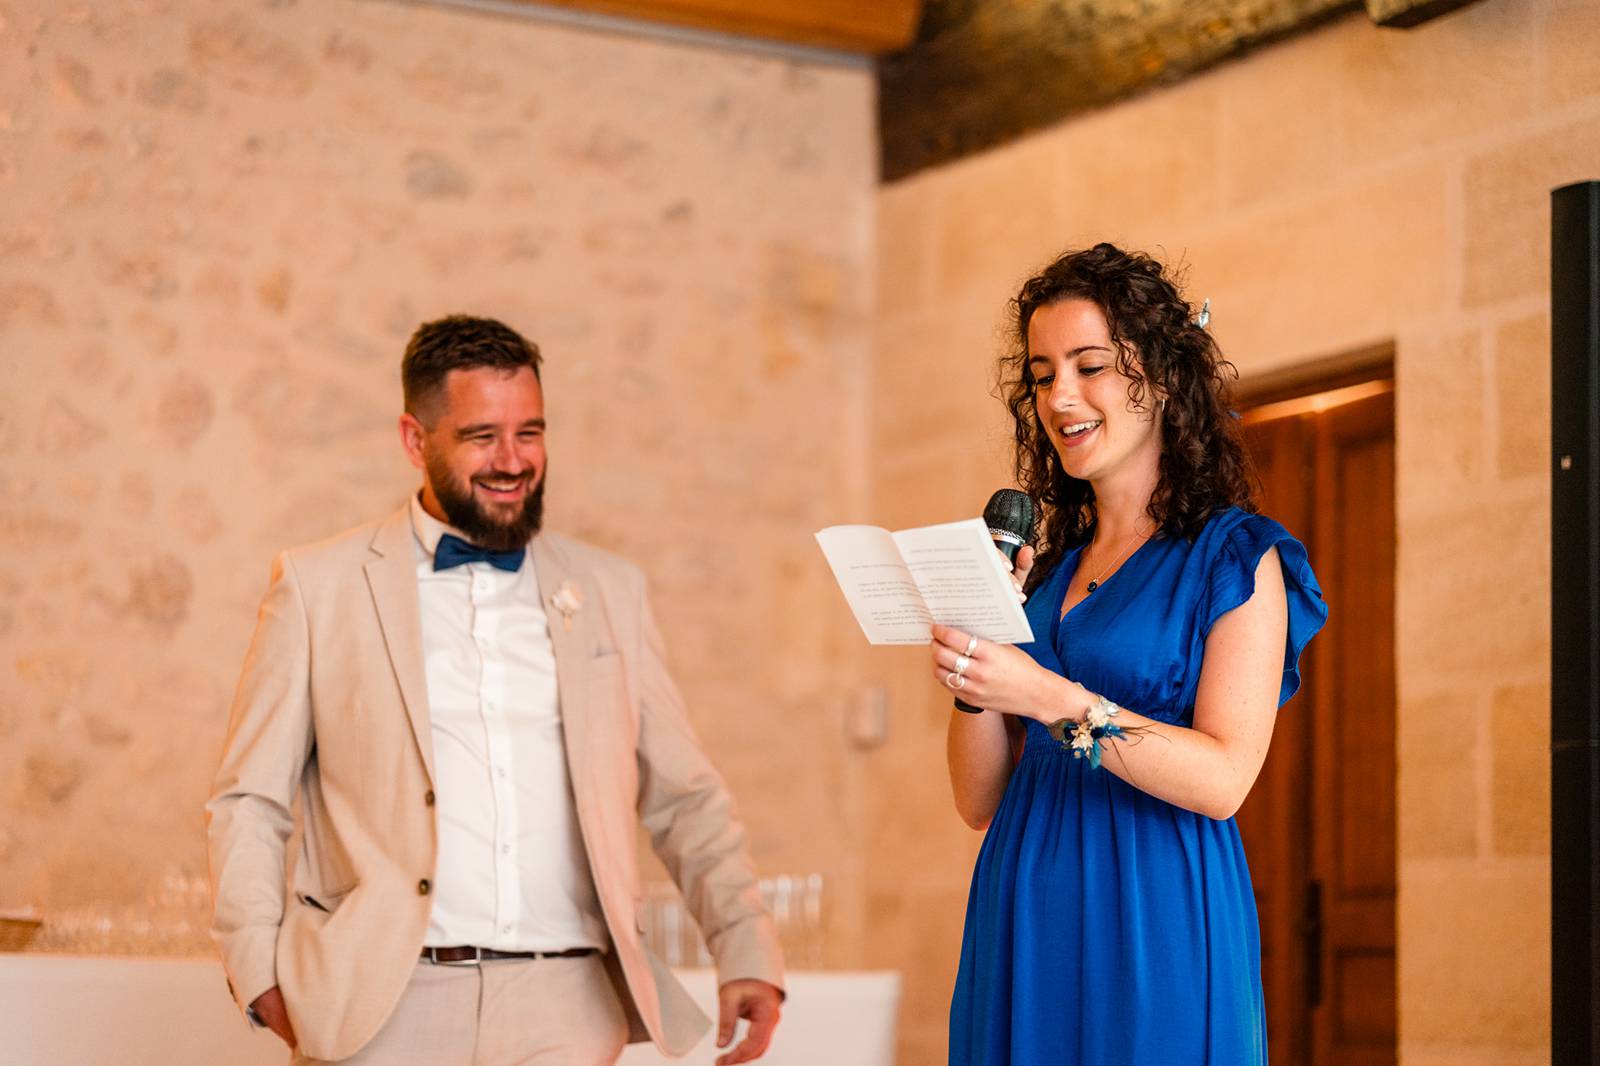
423, 887
428, 797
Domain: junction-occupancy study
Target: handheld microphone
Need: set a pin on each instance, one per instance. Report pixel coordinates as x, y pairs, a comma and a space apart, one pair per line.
1009, 516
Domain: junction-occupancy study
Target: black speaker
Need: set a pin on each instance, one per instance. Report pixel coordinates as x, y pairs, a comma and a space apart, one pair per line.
1575, 624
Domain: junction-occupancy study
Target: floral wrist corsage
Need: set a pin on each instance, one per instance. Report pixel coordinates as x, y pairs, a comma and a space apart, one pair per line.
1082, 737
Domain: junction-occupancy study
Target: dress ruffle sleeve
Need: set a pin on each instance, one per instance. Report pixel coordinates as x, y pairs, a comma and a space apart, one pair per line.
1233, 581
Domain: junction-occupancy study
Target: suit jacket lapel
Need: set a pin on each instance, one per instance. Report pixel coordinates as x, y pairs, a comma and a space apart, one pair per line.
392, 576
569, 637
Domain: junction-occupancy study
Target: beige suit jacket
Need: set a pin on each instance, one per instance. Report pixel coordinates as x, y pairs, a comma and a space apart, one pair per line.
333, 707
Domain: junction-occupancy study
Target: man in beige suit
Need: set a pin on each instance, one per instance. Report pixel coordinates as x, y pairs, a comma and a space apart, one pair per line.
475, 716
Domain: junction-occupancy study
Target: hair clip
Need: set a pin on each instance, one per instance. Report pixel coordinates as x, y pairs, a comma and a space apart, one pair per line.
1203, 319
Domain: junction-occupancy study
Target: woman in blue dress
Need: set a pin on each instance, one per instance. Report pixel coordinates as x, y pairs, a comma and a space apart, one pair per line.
1111, 920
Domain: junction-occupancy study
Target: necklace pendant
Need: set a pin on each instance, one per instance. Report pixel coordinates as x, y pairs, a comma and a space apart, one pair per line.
1093, 585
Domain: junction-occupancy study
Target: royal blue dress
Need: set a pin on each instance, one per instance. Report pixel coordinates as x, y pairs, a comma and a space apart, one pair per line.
1106, 927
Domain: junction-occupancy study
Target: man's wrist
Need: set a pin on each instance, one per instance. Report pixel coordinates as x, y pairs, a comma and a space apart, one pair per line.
253, 1013
782, 994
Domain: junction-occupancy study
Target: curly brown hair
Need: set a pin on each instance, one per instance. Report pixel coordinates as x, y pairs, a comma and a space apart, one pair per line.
1203, 466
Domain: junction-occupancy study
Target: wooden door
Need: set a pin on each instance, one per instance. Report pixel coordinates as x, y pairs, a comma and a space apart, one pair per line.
1319, 827
1275, 820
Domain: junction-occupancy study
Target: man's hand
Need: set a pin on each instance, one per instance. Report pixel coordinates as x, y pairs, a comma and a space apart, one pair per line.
269, 1007
756, 1001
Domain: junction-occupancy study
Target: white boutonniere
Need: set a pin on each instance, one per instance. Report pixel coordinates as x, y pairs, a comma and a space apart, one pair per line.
568, 600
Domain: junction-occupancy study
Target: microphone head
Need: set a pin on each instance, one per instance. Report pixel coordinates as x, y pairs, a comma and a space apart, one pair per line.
1009, 516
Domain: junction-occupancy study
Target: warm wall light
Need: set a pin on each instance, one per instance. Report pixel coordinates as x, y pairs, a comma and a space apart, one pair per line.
816, 28
1317, 402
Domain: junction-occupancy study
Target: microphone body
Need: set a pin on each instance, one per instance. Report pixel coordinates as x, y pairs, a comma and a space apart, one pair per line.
1009, 516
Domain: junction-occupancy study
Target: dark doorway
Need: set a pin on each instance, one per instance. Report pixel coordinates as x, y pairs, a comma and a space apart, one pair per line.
1319, 827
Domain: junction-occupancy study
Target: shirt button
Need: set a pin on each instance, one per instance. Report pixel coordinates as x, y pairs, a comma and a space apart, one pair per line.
500, 771
428, 797
424, 887
505, 849
505, 929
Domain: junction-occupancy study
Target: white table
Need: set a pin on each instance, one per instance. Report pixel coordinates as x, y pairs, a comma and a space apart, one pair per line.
829, 1019
71, 1010
66, 1010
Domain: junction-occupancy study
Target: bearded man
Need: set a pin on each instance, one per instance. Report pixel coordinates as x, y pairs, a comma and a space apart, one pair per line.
475, 715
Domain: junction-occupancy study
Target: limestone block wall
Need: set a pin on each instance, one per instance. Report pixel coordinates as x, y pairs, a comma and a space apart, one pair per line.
219, 222
1354, 186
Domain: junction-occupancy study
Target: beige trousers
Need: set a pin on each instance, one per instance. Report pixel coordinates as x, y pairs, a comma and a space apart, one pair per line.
513, 1012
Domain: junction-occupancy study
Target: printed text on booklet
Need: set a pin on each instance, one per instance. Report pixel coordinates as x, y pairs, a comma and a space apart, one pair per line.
899, 584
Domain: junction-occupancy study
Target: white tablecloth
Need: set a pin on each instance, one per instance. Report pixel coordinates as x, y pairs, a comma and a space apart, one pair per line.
829, 1019
60, 1010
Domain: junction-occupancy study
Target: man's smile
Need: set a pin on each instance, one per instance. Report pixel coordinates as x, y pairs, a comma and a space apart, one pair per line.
504, 489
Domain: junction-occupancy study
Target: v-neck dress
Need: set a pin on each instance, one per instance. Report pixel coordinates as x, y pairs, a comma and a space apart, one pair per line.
1106, 927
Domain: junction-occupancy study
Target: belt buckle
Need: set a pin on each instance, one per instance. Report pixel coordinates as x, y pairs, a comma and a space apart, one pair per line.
475, 960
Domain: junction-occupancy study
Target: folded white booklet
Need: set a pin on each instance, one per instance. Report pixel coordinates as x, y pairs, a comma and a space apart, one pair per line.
899, 584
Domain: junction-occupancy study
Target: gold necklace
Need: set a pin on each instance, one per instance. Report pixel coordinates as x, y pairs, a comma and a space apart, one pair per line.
1094, 583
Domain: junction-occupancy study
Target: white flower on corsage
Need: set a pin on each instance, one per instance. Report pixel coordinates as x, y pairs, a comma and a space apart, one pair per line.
1082, 736
568, 599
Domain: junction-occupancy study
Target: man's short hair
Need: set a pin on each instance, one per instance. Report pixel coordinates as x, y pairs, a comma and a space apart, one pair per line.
459, 342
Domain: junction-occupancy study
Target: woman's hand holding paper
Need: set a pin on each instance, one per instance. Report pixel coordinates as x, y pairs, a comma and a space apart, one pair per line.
1001, 677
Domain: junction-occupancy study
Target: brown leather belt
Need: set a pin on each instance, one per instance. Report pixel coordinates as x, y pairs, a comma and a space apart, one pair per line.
473, 956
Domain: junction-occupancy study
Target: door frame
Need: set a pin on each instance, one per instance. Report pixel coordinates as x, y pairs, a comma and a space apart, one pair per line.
1309, 388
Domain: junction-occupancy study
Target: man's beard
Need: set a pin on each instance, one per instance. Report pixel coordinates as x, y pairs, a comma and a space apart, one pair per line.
463, 511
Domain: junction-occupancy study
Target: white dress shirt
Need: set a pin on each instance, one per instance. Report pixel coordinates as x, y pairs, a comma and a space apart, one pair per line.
512, 872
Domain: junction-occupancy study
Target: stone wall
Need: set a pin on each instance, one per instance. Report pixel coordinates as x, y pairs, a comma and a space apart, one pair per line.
219, 222
1352, 187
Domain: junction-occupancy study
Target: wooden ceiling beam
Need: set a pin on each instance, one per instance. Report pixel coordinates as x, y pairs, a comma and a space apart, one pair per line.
983, 72
1404, 14
871, 27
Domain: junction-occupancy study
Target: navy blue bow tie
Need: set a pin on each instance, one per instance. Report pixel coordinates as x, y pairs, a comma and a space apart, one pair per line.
453, 551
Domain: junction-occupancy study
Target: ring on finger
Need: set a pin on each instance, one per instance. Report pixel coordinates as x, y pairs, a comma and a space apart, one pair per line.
955, 681
962, 662
972, 646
